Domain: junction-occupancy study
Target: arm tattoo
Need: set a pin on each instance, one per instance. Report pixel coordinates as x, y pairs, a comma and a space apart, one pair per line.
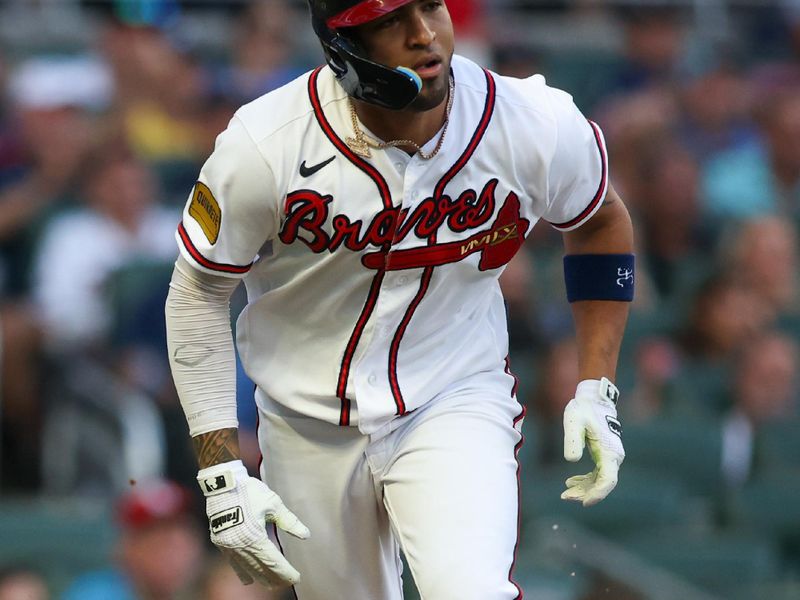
216, 447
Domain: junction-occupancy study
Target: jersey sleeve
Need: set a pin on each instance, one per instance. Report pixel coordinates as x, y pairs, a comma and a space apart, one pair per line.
233, 208
577, 178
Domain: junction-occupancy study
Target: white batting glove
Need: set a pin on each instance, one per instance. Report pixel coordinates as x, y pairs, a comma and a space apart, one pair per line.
238, 508
591, 418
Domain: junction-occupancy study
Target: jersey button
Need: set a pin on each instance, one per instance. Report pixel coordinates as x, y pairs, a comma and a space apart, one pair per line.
371, 379
402, 280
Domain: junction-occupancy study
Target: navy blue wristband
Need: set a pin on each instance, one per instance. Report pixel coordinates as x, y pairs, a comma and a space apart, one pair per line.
599, 277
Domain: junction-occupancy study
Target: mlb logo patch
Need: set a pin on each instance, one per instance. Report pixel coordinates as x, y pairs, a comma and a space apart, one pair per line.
214, 484
217, 484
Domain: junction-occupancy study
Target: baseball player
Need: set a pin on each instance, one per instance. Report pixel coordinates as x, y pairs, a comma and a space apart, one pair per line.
370, 207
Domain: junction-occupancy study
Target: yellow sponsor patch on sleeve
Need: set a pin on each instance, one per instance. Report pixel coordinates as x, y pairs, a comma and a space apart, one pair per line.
205, 210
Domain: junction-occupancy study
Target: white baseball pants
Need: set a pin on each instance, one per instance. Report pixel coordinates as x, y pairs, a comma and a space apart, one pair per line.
441, 482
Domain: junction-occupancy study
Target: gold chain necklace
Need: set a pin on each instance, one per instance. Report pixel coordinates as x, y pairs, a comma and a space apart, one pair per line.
361, 143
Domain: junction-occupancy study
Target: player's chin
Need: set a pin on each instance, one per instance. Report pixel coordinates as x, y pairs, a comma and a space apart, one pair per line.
434, 92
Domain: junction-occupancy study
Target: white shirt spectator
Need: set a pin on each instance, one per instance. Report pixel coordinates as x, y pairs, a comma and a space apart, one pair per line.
78, 252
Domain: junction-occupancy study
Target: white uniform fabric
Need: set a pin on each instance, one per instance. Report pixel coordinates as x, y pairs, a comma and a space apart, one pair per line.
372, 283
425, 482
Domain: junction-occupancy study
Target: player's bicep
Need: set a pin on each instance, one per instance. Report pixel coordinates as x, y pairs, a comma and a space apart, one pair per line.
232, 210
609, 231
578, 171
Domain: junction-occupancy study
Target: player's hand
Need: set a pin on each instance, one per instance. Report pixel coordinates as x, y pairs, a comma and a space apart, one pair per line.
590, 419
238, 508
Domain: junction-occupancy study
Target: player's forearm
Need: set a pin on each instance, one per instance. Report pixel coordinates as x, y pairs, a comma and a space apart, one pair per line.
216, 447
600, 324
202, 358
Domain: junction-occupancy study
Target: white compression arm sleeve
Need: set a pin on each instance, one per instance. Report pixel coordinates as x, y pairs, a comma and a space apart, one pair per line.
200, 346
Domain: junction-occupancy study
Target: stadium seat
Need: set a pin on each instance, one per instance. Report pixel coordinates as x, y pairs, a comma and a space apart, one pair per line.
702, 390
689, 450
60, 538
718, 563
777, 590
769, 507
640, 500
790, 323
778, 446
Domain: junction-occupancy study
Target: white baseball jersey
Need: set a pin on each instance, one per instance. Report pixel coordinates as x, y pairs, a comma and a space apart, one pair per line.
373, 283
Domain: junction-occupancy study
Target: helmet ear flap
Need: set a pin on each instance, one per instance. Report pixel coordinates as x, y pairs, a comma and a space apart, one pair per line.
367, 80
335, 62
337, 48
360, 77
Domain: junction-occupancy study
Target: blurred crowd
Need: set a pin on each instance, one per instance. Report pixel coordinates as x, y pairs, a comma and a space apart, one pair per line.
703, 134
100, 143
160, 554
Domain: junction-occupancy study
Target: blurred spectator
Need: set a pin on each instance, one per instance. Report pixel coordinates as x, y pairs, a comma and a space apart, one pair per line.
764, 256
515, 59
119, 223
21, 389
5, 149
160, 551
714, 111
761, 177
140, 58
262, 52
160, 91
101, 279
22, 584
169, 127
630, 124
668, 206
764, 390
723, 317
657, 364
654, 38
766, 29
52, 109
53, 104
791, 18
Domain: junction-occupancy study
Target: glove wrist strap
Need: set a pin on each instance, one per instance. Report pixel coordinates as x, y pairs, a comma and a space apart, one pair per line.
221, 478
602, 387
